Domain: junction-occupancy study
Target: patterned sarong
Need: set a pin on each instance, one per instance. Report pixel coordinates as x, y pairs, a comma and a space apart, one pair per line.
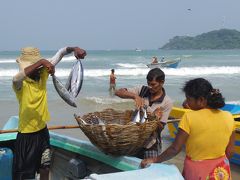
214, 169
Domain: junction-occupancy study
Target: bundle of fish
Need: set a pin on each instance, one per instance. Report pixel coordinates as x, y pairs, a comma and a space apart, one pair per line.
140, 116
137, 118
73, 85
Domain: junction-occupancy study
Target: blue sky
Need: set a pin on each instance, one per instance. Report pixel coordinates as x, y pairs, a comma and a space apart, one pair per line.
110, 24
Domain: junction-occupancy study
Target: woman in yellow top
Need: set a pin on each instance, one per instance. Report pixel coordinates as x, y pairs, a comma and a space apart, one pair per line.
207, 132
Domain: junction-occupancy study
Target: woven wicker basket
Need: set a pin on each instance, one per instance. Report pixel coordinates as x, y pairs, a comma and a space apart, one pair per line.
118, 135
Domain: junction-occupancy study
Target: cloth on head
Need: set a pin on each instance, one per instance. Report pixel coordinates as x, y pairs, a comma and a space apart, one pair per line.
29, 56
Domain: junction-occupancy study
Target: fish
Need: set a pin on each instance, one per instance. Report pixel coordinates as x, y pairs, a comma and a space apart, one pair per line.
73, 85
75, 79
79, 120
99, 121
144, 117
63, 92
137, 117
68, 82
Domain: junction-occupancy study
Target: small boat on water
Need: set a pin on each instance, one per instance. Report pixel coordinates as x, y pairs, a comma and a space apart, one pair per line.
177, 113
165, 63
138, 50
76, 159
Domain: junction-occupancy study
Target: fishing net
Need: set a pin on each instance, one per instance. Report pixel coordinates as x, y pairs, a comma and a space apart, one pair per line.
114, 133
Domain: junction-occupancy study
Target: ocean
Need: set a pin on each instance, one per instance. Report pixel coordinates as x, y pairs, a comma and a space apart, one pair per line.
220, 67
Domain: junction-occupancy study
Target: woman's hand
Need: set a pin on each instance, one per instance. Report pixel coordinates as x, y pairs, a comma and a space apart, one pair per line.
146, 162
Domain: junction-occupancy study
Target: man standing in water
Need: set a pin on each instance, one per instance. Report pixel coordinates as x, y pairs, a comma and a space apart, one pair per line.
158, 104
112, 83
32, 149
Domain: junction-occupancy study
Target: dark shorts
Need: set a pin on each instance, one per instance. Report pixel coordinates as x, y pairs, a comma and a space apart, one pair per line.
112, 87
32, 151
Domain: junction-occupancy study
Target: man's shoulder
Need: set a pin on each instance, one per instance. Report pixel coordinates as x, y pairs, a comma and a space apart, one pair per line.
167, 98
168, 101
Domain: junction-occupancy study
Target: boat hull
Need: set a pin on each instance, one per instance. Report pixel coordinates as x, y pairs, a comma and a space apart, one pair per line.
177, 113
6, 159
168, 64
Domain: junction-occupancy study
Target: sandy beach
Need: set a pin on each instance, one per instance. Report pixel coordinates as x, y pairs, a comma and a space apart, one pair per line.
62, 114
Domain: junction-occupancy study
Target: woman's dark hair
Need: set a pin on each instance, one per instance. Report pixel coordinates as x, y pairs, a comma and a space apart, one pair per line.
156, 74
200, 87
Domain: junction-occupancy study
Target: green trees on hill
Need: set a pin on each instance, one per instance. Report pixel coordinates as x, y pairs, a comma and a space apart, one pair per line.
218, 39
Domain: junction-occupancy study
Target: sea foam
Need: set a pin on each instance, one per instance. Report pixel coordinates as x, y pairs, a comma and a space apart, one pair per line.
184, 71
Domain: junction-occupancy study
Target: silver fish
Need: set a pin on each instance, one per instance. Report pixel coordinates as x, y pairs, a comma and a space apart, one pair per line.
76, 79
144, 117
63, 92
68, 82
99, 121
137, 117
79, 119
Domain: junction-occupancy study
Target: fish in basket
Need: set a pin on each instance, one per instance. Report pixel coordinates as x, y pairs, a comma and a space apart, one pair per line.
117, 132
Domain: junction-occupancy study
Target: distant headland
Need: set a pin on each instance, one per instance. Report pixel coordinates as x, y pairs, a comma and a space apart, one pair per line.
217, 39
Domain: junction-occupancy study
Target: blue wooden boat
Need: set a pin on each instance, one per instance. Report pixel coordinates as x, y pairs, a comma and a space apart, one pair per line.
177, 113
232, 108
77, 159
165, 64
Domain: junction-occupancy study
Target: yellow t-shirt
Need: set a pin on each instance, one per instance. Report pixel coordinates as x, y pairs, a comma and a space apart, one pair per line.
33, 107
209, 133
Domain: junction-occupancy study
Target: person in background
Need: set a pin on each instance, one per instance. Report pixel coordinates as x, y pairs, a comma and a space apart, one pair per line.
112, 81
162, 59
207, 132
154, 60
32, 148
158, 104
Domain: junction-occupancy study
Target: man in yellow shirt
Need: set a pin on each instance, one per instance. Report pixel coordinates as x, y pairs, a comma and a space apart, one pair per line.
32, 150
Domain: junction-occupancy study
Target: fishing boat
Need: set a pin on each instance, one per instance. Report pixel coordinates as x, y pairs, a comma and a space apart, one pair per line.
165, 63
138, 50
177, 113
76, 159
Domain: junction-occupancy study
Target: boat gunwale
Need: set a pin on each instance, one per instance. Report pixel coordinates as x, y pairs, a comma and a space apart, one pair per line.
85, 148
